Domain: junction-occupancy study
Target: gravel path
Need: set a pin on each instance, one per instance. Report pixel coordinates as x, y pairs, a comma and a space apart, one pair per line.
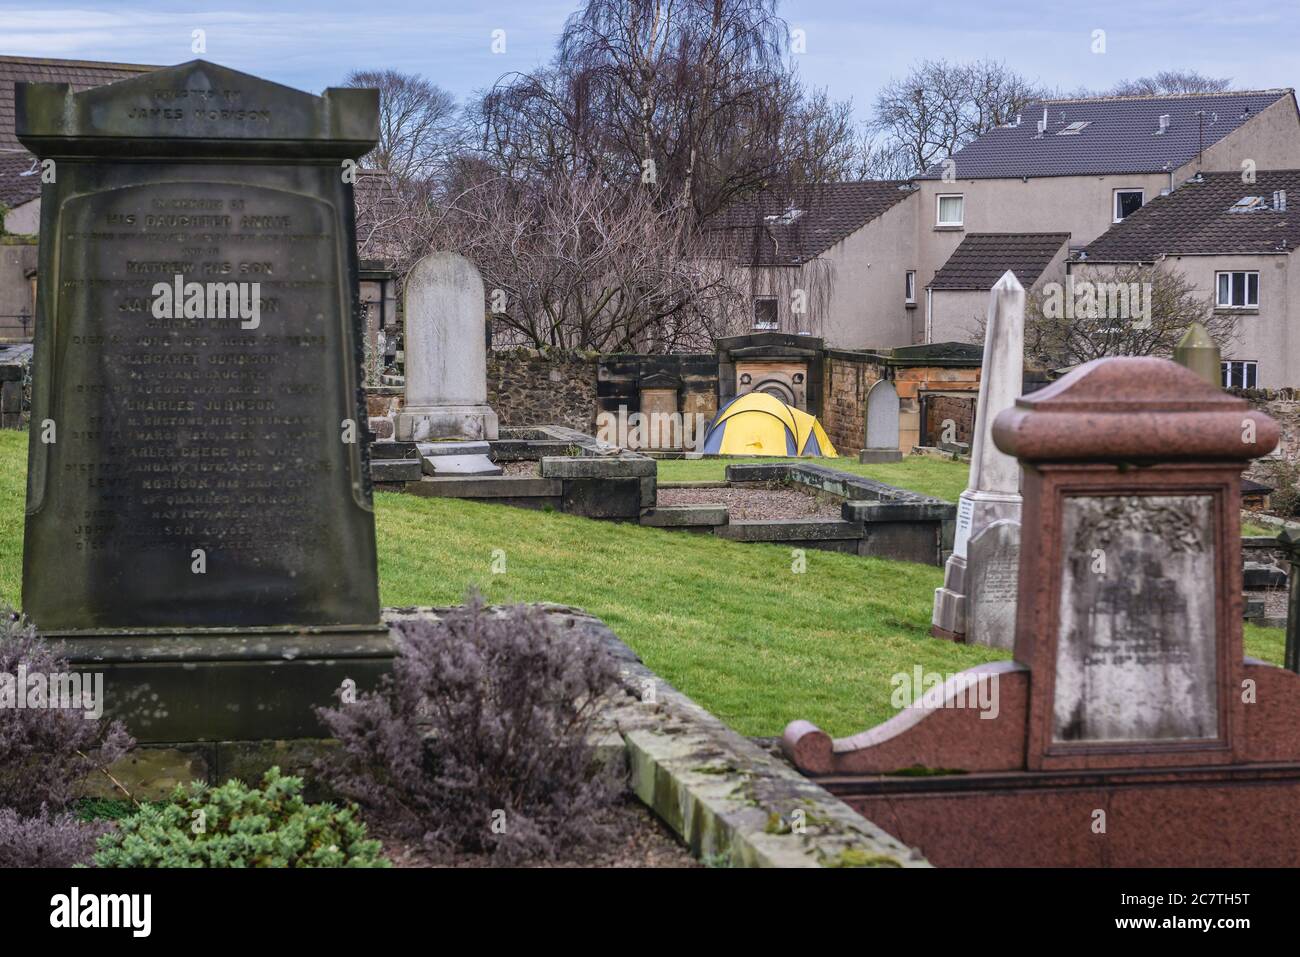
1274, 600
768, 503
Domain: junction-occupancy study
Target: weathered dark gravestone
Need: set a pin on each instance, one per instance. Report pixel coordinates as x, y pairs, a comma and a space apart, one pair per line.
197, 496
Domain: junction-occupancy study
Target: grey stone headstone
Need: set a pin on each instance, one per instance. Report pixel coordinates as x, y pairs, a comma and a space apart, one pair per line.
1136, 645
446, 355
882, 416
992, 574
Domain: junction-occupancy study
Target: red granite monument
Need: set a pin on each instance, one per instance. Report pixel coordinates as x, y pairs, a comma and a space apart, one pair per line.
1129, 730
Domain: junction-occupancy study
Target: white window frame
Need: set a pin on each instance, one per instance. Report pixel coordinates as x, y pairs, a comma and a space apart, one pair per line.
1246, 304
775, 323
1247, 369
909, 287
938, 209
1114, 201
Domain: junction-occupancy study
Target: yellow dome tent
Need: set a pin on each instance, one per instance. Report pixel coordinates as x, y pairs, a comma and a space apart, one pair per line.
760, 424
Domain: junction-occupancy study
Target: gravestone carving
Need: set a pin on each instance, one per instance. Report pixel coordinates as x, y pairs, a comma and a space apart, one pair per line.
994, 566
199, 519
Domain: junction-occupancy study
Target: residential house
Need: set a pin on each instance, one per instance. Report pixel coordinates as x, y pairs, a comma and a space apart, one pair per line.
886, 263
1236, 243
832, 260
958, 295
1080, 166
20, 181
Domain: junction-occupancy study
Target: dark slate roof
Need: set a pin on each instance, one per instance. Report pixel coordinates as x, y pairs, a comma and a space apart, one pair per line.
81, 74
1194, 220
751, 231
982, 258
18, 182
938, 354
1120, 136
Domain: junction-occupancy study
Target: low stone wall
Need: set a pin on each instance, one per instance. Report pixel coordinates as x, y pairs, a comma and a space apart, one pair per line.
877, 520
617, 487
1284, 406
848, 377
529, 387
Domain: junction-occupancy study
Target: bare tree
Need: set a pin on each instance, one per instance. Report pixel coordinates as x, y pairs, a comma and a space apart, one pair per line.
1171, 81
418, 123
579, 264
687, 99
939, 107
1130, 309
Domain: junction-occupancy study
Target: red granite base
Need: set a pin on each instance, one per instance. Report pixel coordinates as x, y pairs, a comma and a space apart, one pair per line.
957, 786
1225, 816
944, 633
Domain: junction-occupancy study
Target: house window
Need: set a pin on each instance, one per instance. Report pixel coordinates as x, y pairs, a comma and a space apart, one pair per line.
1241, 375
950, 210
1127, 202
909, 287
765, 313
1237, 290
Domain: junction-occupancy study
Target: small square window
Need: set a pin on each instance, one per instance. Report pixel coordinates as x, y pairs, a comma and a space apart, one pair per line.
1240, 374
1237, 290
909, 287
765, 313
950, 210
1127, 202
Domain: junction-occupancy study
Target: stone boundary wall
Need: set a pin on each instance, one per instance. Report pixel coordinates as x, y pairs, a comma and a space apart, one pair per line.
531, 387
694, 377
848, 377
1283, 405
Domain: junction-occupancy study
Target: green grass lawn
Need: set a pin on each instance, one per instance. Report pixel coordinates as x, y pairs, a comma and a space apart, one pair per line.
940, 478
728, 623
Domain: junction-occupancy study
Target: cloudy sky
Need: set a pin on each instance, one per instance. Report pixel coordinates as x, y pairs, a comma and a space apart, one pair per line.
852, 45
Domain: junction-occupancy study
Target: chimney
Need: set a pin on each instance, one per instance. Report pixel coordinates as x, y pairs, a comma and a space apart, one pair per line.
1279, 200
1042, 124
1164, 123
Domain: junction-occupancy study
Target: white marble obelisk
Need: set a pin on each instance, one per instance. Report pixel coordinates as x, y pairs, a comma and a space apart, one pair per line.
445, 353
993, 490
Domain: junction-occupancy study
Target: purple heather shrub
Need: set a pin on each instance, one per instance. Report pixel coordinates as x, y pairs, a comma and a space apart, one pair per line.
46, 752
478, 741
46, 840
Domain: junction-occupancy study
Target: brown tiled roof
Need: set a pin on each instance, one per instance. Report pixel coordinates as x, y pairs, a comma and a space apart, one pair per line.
1194, 220
982, 258
789, 227
81, 74
20, 179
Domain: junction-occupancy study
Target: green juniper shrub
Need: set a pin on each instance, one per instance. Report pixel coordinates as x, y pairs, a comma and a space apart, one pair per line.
238, 826
48, 748
479, 740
